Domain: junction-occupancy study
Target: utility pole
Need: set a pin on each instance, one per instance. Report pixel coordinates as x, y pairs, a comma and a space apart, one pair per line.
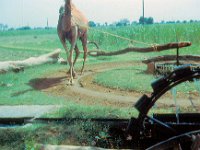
143, 10
22, 12
47, 27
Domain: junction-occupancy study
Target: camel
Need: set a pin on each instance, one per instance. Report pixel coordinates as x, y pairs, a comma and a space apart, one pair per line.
72, 25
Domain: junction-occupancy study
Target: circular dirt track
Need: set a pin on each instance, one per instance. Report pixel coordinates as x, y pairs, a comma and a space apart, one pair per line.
85, 91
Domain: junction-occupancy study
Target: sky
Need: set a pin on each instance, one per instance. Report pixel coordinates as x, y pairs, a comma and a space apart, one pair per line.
34, 13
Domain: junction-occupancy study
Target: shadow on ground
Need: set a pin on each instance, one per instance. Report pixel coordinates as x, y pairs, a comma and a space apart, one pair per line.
40, 84
45, 83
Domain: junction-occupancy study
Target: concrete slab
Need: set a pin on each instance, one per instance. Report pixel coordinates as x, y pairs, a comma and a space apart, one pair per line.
26, 110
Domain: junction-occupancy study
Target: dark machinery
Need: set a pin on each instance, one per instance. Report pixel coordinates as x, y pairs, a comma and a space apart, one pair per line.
162, 130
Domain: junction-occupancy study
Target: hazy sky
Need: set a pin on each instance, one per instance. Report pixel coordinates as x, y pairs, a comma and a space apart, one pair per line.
35, 12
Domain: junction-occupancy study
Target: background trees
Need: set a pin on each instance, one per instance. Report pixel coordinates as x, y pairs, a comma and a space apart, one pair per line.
146, 20
3, 27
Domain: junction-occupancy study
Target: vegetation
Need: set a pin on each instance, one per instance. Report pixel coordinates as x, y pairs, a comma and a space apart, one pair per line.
82, 133
18, 89
15, 45
146, 20
129, 78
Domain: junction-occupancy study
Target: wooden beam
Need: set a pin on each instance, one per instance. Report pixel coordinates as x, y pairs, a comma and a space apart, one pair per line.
153, 48
17, 66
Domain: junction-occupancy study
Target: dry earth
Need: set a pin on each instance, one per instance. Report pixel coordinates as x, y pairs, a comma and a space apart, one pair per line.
85, 91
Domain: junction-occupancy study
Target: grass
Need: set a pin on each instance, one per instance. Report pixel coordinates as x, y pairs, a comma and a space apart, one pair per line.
130, 78
16, 45
81, 133
150, 34
16, 89
135, 79
72, 110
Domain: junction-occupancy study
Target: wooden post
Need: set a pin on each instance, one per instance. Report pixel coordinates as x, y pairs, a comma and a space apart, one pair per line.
151, 67
153, 48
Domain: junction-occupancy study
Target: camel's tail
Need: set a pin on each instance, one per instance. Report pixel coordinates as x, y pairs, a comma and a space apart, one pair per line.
93, 42
85, 53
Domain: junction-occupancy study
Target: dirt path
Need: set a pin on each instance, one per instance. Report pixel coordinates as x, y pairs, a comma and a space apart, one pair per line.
85, 91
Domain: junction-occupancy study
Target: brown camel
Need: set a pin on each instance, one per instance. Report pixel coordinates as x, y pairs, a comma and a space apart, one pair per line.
72, 25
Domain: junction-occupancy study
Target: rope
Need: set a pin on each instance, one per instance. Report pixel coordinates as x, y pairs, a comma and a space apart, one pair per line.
77, 22
127, 39
155, 47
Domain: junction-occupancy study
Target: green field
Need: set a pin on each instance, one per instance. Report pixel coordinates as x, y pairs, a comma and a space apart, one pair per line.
18, 45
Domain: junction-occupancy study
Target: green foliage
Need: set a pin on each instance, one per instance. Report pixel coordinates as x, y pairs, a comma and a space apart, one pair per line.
156, 33
24, 28
11, 140
146, 20
123, 22
18, 88
135, 79
72, 110
92, 24
131, 79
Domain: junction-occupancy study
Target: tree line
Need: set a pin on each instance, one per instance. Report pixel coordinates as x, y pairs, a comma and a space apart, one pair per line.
145, 20
122, 22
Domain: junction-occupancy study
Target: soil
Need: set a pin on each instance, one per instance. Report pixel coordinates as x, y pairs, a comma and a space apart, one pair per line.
85, 91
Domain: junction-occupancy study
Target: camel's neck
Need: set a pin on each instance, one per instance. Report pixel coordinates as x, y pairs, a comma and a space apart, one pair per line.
68, 9
65, 18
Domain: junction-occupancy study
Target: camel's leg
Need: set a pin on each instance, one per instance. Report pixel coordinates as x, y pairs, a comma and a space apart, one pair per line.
63, 41
74, 31
84, 43
77, 53
76, 57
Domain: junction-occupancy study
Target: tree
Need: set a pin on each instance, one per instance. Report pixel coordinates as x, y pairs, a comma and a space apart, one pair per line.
163, 21
149, 20
141, 20
92, 24
123, 22
106, 23
134, 23
3, 27
170, 22
191, 21
184, 21
146, 20
24, 28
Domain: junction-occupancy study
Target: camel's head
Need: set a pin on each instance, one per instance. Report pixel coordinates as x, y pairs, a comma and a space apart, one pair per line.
68, 2
67, 5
